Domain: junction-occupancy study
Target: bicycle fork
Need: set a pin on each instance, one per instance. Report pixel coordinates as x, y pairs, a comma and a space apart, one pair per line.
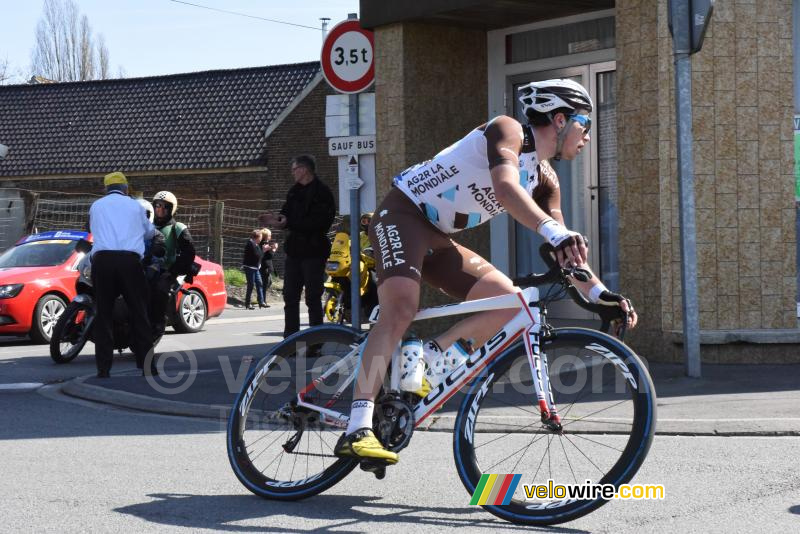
541, 377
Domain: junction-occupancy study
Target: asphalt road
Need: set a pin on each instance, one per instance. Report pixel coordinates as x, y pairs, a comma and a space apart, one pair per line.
71, 465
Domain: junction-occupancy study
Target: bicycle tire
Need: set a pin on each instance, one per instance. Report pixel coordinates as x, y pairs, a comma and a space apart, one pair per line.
61, 349
263, 409
598, 422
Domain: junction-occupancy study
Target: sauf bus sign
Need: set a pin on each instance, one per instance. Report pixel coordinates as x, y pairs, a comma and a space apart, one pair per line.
347, 57
347, 64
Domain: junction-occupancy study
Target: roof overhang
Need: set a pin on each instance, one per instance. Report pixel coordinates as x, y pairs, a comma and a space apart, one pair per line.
479, 14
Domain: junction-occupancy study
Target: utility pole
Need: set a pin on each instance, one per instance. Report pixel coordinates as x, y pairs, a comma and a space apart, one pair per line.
688, 20
325, 21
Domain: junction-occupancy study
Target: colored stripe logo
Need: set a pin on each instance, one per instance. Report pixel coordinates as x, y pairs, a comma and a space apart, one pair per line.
495, 489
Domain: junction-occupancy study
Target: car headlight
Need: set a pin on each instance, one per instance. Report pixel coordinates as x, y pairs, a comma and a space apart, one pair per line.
9, 291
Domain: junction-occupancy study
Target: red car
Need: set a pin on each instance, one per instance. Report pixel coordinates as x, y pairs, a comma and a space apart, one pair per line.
37, 280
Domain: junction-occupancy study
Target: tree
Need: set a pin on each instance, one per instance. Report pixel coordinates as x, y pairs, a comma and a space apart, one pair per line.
4, 74
65, 49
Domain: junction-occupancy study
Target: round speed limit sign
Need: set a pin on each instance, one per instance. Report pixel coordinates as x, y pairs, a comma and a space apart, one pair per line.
347, 57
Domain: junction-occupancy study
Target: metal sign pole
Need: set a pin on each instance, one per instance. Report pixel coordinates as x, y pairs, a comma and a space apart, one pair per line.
680, 11
355, 241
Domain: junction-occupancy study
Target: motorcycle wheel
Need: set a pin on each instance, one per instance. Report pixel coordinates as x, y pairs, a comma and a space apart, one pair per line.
70, 333
334, 310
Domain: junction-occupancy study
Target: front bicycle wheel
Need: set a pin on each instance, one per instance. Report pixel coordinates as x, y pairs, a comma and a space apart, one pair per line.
607, 404
70, 333
283, 451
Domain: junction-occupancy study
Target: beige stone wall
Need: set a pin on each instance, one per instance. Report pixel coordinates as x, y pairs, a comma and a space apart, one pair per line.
743, 163
430, 89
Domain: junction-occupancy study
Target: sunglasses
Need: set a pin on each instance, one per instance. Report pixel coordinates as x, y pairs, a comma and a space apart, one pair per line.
584, 120
159, 205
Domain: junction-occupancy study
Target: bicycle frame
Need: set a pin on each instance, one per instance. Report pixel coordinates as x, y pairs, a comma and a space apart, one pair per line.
527, 322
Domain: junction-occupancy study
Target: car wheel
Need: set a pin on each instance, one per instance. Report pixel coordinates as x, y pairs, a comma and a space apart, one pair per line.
192, 312
45, 316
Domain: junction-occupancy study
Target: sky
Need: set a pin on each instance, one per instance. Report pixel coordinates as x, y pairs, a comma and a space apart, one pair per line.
155, 37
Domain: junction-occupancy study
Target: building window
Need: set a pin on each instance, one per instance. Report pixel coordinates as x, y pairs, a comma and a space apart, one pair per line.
586, 36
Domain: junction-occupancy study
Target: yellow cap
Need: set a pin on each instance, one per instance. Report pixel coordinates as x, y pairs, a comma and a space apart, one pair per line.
115, 178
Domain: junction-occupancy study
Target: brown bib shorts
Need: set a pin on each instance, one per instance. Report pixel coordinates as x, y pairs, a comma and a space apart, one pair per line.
406, 244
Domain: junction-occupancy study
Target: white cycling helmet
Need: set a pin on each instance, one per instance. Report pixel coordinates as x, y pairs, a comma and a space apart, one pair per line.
147, 207
169, 198
550, 95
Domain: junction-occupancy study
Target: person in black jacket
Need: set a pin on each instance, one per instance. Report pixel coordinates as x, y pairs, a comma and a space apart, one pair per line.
307, 214
251, 263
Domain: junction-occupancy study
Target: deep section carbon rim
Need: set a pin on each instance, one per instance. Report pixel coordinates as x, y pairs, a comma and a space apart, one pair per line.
278, 449
607, 404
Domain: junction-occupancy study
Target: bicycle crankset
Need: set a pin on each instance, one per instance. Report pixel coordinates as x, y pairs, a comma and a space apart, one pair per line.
393, 421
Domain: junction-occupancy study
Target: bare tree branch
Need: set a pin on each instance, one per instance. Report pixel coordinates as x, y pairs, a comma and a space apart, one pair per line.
4, 73
65, 48
102, 58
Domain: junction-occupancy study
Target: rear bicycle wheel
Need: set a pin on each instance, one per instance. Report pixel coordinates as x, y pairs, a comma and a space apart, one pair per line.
277, 449
607, 404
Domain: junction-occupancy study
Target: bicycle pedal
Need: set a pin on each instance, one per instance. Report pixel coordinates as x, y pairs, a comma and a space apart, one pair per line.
376, 467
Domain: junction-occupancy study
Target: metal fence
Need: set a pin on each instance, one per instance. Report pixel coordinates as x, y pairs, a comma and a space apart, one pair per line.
219, 228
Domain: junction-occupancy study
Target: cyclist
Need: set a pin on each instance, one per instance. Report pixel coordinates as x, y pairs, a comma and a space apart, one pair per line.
497, 167
178, 259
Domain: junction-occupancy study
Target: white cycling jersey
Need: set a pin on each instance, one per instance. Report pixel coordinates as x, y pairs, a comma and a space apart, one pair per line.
454, 189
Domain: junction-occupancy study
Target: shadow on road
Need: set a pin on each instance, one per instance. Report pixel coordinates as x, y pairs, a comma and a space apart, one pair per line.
322, 513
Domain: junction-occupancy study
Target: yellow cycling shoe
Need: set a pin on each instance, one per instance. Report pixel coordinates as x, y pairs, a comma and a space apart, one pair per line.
363, 444
424, 389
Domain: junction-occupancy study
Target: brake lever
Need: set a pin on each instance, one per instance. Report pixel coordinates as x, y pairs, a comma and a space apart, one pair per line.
582, 275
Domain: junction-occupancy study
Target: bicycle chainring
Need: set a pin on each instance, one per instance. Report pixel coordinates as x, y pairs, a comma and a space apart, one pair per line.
393, 422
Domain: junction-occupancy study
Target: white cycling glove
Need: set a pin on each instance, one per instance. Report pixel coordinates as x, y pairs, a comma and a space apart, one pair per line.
557, 235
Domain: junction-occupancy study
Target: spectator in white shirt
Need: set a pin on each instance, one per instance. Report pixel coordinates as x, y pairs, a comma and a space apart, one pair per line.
119, 227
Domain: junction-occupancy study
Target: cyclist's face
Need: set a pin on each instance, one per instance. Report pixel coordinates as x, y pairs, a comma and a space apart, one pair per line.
577, 136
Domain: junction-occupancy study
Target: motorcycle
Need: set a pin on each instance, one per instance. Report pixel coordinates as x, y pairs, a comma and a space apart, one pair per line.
74, 327
337, 288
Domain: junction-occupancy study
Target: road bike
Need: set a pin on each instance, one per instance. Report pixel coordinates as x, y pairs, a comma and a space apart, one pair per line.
571, 405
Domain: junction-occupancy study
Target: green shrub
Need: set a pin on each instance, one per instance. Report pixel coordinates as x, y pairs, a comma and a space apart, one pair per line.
235, 278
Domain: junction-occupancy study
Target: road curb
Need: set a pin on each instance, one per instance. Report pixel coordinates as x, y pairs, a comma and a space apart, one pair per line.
80, 389
438, 423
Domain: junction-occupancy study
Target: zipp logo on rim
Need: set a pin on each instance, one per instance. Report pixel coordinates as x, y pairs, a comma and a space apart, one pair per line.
616, 361
248, 397
293, 483
469, 428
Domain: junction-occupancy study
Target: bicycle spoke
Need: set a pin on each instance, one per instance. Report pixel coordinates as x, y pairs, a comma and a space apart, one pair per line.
517, 451
501, 437
597, 442
595, 413
270, 443
507, 403
280, 460
584, 455
586, 390
538, 467
521, 457
566, 457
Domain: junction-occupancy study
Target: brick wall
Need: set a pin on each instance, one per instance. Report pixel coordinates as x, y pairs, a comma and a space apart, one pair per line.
302, 133
430, 90
743, 163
